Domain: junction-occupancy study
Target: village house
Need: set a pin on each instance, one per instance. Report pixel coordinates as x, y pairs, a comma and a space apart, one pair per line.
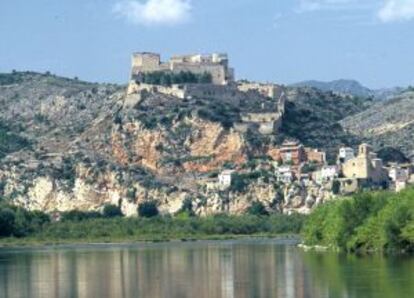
326, 173
397, 173
366, 167
225, 178
293, 152
285, 174
345, 154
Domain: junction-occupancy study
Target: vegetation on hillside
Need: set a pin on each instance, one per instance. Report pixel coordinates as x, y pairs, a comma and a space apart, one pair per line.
167, 79
9, 141
371, 221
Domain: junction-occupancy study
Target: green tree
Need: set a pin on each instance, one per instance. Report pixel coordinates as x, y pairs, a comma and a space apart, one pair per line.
257, 208
110, 210
148, 209
7, 220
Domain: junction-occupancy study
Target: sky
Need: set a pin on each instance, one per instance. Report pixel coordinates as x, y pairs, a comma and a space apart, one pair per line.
282, 41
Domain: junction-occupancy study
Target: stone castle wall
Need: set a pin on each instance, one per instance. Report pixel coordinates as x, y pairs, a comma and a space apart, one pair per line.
215, 64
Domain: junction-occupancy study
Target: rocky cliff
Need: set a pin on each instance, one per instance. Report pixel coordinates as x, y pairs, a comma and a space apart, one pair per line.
67, 144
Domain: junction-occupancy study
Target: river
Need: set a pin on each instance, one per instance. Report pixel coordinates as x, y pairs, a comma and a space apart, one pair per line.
244, 268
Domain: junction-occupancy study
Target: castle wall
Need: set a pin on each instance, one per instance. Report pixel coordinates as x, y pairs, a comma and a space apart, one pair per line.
174, 90
268, 90
145, 62
215, 64
218, 72
260, 117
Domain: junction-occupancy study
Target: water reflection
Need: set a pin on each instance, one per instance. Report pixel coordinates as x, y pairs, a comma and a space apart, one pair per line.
206, 269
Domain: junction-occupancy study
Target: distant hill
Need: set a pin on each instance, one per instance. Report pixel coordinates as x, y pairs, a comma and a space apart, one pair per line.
350, 87
388, 123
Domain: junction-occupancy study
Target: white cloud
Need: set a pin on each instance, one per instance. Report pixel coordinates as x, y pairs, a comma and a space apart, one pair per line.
314, 5
154, 12
396, 10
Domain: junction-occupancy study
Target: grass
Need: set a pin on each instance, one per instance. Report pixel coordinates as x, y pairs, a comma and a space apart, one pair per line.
156, 229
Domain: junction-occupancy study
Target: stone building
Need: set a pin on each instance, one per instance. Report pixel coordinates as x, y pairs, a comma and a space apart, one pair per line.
217, 65
366, 166
225, 178
295, 153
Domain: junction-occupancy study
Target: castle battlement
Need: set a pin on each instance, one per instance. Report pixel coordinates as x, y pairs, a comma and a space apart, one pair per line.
217, 65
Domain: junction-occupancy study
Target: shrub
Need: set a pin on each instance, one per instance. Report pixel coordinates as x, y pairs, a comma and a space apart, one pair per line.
76, 215
148, 209
112, 211
7, 221
257, 208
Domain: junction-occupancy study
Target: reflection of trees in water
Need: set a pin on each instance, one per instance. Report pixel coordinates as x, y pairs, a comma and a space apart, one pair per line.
206, 269
361, 276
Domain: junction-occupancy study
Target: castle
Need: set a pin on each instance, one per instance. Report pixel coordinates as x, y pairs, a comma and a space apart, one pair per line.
217, 65
268, 99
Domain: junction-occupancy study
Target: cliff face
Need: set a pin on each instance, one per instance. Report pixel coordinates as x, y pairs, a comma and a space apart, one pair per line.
82, 145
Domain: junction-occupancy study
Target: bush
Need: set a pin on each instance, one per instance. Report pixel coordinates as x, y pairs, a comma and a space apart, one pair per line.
19, 222
112, 211
76, 215
7, 221
257, 208
148, 209
381, 221
167, 79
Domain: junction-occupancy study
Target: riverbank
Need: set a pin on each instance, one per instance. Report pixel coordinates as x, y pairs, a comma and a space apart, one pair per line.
367, 222
34, 242
159, 229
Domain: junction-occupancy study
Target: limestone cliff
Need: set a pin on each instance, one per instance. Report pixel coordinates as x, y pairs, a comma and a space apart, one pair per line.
67, 144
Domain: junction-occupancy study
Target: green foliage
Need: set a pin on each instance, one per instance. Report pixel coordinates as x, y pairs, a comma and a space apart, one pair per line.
18, 222
336, 187
390, 154
257, 208
7, 222
112, 211
309, 167
167, 78
9, 141
10, 78
255, 140
239, 182
76, 215
148, 209
67, 172
380, 221
221, 112
187, 207
181, 227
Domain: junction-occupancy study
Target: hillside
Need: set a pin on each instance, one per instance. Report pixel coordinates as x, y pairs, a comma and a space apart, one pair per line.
351, 87
388, 123
68, 144
347, 87
313, 117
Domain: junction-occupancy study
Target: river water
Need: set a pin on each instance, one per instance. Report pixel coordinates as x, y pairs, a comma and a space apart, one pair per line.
246, 268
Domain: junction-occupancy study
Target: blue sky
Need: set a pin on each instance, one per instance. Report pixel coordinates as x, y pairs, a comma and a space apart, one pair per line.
282, 41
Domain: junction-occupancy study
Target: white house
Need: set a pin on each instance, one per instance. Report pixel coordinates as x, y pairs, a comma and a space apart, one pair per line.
285, 174
329, 172
398, 174
345, 154
225, 178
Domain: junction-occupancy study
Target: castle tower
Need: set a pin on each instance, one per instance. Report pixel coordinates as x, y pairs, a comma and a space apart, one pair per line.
145, 62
